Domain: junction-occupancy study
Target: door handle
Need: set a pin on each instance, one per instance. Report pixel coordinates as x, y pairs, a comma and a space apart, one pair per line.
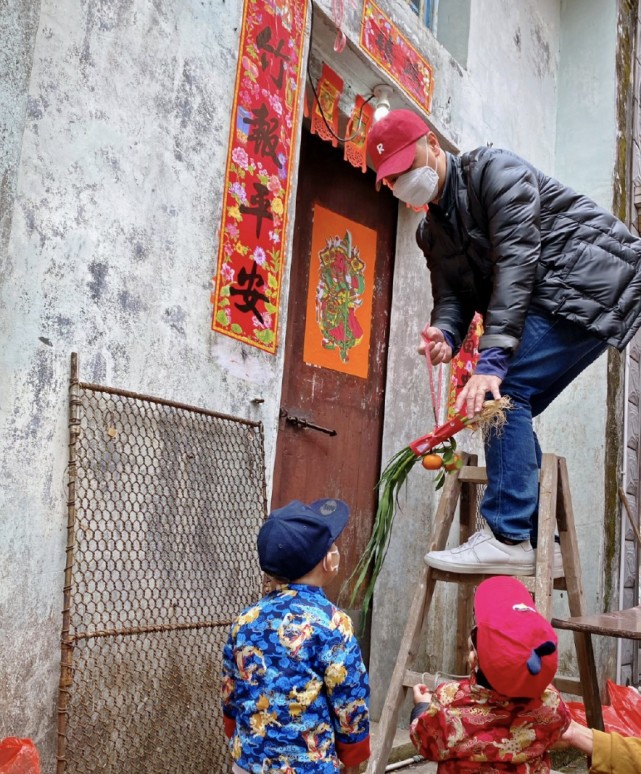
298, 422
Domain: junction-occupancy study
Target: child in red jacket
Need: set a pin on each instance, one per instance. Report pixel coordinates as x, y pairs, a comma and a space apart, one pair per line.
506, 715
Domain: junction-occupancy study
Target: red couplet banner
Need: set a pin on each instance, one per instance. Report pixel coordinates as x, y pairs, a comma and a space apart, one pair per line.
247, 282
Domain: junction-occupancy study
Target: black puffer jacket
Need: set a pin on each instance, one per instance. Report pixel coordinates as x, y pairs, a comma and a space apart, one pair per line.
505, 238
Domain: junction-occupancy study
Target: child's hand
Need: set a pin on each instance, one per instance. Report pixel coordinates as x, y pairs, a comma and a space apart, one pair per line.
421, 693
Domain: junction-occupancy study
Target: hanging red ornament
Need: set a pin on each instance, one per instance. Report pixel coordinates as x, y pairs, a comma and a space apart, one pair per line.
355, 150
325, 111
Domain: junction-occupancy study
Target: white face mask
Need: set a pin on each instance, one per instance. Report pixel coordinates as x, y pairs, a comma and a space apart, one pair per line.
417, 187
334, 552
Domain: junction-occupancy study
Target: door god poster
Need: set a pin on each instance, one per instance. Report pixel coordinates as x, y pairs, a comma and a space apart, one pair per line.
340, 293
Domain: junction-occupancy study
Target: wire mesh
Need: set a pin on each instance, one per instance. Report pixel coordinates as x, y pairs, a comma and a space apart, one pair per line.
165, 503
479, 521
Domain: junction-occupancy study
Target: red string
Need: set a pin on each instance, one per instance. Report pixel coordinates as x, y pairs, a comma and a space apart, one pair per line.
434, 395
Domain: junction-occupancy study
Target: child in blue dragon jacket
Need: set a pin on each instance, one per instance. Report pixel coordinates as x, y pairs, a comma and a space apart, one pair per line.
295, 689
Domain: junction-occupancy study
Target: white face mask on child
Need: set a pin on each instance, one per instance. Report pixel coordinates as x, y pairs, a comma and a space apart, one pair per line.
417, 187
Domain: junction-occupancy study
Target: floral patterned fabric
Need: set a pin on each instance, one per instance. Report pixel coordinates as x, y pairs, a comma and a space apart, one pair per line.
467, 727
295, 691
260, 164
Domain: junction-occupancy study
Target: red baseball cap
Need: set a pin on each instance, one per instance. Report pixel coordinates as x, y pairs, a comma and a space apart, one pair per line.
516, 646
391, 142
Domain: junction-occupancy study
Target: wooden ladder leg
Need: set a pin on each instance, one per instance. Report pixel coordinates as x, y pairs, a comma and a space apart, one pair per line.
576, 599
543, 583
467, 518
416, 617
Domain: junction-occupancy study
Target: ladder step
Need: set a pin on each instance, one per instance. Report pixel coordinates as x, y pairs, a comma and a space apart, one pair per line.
564, 684
569, 685
410, 679
471, 474
528, 581
475, 578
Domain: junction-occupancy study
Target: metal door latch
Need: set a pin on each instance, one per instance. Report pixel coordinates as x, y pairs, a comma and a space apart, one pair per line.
298, 422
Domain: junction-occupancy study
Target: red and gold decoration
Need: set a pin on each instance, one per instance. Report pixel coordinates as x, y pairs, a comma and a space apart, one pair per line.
463, 365
355, 150
264, 125
325, 111
394, 54
340, 294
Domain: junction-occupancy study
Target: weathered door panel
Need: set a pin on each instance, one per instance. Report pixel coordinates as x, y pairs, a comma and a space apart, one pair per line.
341, 386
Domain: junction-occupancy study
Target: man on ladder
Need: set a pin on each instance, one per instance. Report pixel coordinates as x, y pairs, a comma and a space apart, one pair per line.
556, 279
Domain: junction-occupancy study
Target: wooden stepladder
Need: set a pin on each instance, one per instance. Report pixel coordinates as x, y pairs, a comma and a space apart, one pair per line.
555, 513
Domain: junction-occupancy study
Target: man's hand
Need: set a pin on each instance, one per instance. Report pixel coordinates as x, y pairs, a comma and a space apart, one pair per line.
421, 693
473, 394
440, 350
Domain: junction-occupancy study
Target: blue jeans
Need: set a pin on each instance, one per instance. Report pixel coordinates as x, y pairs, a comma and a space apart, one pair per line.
552, 353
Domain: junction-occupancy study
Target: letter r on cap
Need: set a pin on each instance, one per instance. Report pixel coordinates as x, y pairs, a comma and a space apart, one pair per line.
380, 147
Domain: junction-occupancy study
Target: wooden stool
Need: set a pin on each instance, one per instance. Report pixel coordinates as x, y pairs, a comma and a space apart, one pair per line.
625, 624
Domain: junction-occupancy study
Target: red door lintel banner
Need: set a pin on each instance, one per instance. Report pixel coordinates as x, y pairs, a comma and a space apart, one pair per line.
391, 51
247, 283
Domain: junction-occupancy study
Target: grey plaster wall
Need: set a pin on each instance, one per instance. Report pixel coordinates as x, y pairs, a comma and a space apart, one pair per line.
18, 25
116, 136
585, 159
109, 243
522, 39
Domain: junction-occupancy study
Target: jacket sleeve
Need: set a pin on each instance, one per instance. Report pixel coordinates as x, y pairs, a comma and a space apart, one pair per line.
431, 731
615, 754
347, 691
451, 313
227, 688
507, 194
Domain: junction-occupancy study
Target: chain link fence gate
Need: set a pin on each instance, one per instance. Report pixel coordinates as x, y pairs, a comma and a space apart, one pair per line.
165, 501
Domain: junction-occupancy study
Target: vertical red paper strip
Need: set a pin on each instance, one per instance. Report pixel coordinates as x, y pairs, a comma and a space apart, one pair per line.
247, 283
355, 150
392, 51
465, 362
328, 90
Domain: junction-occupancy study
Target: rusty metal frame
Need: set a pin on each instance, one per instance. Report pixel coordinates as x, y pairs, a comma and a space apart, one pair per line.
70, 639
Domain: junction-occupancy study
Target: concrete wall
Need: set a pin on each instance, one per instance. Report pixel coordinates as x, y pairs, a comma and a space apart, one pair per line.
117, 139
585, 159
522, 39
116, 121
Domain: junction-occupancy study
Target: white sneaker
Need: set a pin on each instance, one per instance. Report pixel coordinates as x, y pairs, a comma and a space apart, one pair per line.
483, 553
557, 563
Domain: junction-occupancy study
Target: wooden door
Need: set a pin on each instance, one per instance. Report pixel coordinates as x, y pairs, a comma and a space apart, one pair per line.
344, 239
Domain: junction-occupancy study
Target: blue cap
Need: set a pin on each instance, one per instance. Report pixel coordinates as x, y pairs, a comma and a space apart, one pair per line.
295, 538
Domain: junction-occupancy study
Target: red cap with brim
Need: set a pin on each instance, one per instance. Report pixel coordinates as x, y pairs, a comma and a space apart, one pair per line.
516, 646
391, 142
